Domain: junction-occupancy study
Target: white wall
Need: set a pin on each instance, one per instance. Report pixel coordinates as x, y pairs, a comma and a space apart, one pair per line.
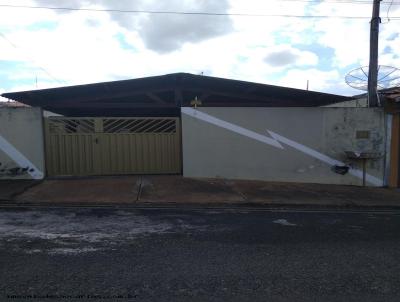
282, 144
21, 143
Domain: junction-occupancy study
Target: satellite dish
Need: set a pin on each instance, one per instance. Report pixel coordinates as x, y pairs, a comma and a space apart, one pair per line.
388, 77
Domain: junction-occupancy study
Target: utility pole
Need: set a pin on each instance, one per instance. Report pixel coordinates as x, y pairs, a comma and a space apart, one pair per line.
373, 56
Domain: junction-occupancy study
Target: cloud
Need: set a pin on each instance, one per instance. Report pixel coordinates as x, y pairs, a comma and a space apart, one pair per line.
290, 57
164, 33
82, 46
169, 32
281, 58
350, 38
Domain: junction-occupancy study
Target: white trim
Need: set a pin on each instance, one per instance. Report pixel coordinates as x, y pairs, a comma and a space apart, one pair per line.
19, 158
388, 137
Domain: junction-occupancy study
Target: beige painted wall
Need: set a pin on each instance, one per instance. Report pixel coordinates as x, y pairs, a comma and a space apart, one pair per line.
21, 143
303, 145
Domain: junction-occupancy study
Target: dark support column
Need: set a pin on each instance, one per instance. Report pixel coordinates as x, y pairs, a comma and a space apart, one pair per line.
373, 56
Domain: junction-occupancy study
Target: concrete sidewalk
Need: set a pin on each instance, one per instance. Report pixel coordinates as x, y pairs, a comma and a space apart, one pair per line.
172, 190
9, 189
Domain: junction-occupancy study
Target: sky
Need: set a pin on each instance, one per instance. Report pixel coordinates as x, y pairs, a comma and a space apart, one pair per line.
42, 48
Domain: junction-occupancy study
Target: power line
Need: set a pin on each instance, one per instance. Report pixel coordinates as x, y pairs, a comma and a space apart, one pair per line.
338, 2
33, 61
188, 13
388, 11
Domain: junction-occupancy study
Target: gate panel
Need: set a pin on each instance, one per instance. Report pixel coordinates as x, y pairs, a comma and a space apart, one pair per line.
140, 145
111, 146
70, 146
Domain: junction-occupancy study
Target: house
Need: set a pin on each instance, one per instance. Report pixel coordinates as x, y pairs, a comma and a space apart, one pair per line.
203, 126
12, 104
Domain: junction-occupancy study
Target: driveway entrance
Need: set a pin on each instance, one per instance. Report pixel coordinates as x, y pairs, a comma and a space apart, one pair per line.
112, 146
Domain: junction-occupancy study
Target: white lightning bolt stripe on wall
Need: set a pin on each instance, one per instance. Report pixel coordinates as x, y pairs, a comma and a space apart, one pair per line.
232, 127
276, 141
19, 158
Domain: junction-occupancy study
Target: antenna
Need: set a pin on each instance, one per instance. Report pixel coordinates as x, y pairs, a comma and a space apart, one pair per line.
388, 77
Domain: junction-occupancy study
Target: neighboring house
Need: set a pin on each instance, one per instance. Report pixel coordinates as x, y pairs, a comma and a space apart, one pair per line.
357, 101
208, 127
12, 104
391, 96
361, 100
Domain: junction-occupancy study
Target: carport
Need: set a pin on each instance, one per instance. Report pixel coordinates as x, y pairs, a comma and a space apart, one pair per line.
134, 126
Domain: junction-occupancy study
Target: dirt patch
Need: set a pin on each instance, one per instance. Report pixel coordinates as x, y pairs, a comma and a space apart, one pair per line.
11, 188
318, 194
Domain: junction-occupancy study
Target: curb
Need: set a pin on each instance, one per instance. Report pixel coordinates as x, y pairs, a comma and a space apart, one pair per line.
189, 206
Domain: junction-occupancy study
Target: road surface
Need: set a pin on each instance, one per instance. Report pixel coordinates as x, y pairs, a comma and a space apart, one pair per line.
198, 255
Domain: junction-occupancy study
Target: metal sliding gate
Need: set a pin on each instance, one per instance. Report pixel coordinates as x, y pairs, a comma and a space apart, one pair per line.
111, 146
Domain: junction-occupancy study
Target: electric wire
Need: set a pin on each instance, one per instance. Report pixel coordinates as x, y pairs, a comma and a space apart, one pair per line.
338, 1
388, 10
30, 59
156, 12
391, 3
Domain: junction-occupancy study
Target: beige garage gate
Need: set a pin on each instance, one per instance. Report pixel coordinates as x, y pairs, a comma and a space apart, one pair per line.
112, 146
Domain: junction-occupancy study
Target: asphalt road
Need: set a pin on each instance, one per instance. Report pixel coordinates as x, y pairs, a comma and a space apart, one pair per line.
198, 255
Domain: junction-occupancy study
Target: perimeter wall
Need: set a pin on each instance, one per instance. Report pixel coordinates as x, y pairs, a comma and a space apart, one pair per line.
21, 143
283, 144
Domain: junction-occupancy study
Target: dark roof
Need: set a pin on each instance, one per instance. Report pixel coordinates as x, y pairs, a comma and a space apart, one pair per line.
164, 95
